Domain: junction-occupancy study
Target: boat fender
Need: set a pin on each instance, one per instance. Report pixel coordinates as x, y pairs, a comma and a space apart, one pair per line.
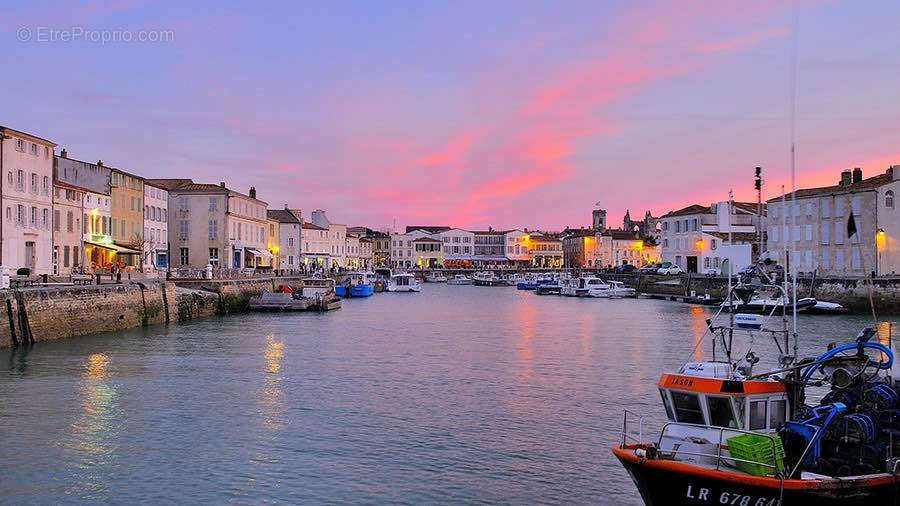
641, 453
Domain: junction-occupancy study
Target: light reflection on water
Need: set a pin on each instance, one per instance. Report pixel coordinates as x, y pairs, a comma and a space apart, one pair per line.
457, 394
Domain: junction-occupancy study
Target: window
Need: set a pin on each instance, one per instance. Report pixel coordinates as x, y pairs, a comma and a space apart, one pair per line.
854, 259
213, 229
20, 214
214, 256
839, 260
826, 260
777, 413
838, 207
34, 216
824, 233
838, 232
677, 226
889, 199
825, 207
45, 187
212, 203
65, 256
20, 145
665, 401
34, 150
687, 407
183, 230
34, 184
720, 412
183, 203
856, 205
70, 221
808, 233
20, 180
184, 256
758, 415
75, 257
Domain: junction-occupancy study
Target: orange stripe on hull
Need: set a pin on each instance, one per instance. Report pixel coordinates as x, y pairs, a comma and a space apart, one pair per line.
715, 385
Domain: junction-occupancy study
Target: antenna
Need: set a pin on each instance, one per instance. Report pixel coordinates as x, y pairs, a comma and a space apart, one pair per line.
757, 183
793, 263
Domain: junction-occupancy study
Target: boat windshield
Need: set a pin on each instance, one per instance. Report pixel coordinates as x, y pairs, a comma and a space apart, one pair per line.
687, 407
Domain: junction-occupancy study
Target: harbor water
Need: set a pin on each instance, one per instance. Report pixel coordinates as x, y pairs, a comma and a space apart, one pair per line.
457, 394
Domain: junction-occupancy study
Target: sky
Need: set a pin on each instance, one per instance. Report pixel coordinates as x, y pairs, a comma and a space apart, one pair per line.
465, 113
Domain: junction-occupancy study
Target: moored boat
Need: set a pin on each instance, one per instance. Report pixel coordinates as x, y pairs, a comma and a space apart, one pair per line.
459, 279
528, 282
732, 436
357, 284
435, 277
403, 283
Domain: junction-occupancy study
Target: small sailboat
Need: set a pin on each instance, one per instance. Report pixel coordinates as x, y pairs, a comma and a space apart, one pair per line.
403, 283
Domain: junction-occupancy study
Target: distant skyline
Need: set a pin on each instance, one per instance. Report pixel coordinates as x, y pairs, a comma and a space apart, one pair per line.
468, 114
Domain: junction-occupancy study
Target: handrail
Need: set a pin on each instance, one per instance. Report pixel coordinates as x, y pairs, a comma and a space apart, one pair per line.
625, 436
718, 455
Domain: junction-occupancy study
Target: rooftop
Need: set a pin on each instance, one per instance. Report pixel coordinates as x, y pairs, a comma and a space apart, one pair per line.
281, 216
428, 228
189, 186
838, 189
5, 129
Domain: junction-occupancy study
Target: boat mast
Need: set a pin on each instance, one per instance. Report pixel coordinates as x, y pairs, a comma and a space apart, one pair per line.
730, 270
794, 168
784, 239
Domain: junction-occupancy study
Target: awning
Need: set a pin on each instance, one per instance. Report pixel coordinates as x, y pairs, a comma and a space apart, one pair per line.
122, 250
104, 246
257, 253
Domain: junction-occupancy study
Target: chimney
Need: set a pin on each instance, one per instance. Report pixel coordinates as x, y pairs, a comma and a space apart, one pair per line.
252, 192
846, 178
222, 184
99, 163
286, 208
63, 153
857, 175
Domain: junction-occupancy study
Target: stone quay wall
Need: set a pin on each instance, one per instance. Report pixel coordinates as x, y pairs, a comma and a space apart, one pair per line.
850, 293
45, 313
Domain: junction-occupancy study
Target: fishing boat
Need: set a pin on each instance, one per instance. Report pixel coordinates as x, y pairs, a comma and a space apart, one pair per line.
357, 284
435, 277
459, 279
514, 279
732, 436
285, 299
403, 283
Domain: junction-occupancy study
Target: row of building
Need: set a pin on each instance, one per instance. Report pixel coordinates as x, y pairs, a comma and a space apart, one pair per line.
62, 215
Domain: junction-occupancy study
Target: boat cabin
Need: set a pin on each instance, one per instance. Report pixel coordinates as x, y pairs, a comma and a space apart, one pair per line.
703, 394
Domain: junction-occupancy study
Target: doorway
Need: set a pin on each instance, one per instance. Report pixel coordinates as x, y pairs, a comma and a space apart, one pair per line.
692, 264
29, 255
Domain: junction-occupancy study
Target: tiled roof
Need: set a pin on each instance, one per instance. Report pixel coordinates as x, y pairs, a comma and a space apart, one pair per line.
425, 239
427, 228
865, 184
188, 185
26, 134
281, 216
311, 226
622, 235
691, 209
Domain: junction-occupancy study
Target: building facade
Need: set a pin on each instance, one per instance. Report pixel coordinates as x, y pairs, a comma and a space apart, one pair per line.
127, 217
366, 253
618, 247
94, 179
458, 248
546, 250
518, 248
156, 228
68, 236
213, 225
815, 227
688, 236
26, 165
285, 238
579, 248
316, 247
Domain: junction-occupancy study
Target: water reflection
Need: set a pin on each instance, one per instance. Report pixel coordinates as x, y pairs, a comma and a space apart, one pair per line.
698, 319
526, 315
18, 359
271, 399
94, 433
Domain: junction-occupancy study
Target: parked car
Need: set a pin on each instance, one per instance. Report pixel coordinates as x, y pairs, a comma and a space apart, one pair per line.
649, 269
668, 268
625, 268
712, 271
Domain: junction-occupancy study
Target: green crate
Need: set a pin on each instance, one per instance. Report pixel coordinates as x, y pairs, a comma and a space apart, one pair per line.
757, 449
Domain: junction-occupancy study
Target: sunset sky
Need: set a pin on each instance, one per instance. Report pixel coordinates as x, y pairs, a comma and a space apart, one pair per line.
464, 113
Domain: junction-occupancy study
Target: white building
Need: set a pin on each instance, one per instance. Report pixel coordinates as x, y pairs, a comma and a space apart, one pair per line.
156, 229
518, 247
403, 247
316, 247
99, 250
26, 165
287, 249
691, 236
458, 247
